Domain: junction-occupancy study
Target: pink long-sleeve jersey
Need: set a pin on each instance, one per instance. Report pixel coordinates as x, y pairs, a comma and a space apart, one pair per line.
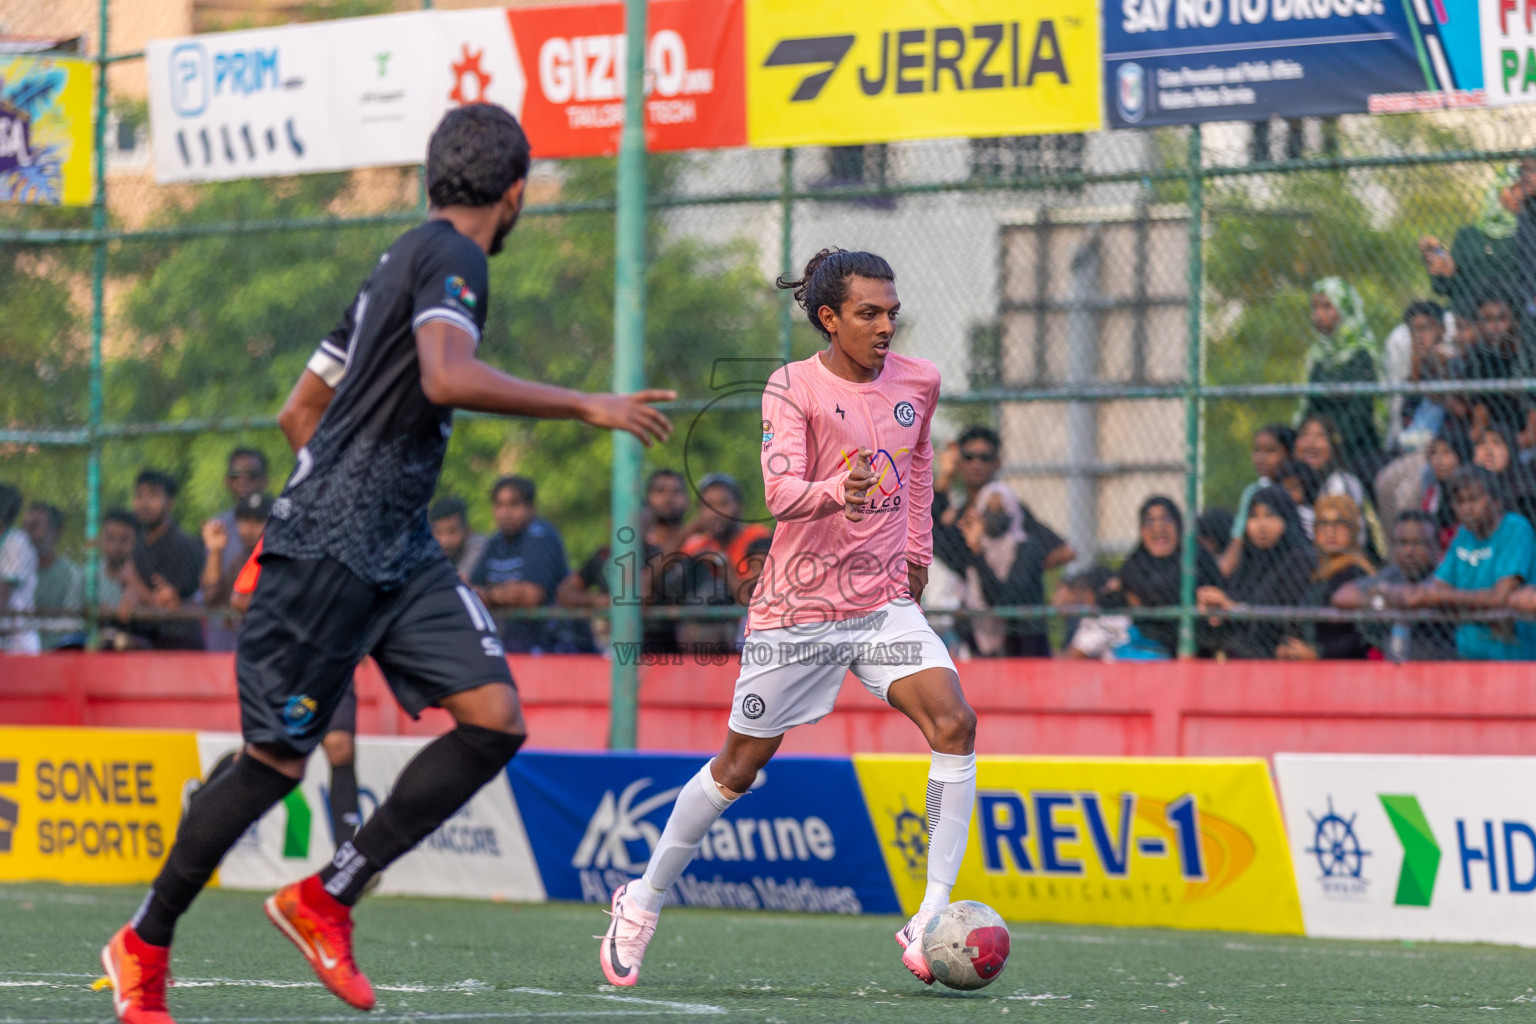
822, 566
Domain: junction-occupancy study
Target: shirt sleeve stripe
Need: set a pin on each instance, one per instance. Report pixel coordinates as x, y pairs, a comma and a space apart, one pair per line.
339, 353
327, 367
452, 316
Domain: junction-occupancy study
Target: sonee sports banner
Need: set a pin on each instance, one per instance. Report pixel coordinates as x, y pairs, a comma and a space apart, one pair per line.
98, 806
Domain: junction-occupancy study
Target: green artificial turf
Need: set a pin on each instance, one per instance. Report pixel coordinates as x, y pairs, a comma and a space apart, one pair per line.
451, 961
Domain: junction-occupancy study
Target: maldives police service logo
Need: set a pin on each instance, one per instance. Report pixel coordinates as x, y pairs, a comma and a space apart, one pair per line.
752, 706
905, 414
1131, 91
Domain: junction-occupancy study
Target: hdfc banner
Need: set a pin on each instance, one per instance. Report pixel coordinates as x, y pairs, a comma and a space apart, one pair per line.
1434, 848
90, 805
839, 74
575, 60
1172, 843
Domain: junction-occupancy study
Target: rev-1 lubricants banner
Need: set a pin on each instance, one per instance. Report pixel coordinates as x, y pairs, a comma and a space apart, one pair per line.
90, 805
1434, 848
47, 131
838, 74
1186, 61
1173, 843
800, 840
480, 853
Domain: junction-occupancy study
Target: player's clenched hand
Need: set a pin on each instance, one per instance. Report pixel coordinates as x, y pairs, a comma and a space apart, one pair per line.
630, 413
856, 488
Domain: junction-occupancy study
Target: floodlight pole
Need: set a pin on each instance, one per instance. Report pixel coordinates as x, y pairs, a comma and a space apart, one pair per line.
98, 326
628, 375
1194, 372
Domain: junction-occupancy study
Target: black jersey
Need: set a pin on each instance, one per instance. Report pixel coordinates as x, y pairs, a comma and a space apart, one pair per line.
360, 490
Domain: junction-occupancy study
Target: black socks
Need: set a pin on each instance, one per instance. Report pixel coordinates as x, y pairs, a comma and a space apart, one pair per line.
222, 810
343, 803
438, 781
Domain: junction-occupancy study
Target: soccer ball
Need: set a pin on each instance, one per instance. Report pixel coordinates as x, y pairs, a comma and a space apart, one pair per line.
966, 945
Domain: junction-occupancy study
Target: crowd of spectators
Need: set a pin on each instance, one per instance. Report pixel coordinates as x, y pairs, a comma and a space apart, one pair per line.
1416, 503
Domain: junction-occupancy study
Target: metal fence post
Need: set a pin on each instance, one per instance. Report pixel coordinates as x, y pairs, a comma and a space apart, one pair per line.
787, 251
98, 284
628, 375
1192, 396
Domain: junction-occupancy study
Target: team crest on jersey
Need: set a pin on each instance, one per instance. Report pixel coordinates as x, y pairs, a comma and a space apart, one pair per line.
458, 290
299, 714
767, 433
905, 414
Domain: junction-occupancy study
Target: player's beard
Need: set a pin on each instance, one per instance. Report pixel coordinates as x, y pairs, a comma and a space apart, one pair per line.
502, 231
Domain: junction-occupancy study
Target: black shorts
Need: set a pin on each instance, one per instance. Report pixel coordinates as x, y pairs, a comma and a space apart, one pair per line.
312, 621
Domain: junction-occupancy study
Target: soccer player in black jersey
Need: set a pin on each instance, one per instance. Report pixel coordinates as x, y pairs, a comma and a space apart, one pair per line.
350, 568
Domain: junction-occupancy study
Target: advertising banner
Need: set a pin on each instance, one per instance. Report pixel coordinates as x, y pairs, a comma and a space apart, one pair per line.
1509, 51
842, 74
364, 92
481, 852
1437, 848
47, 131
1172, 843
1186, 61
575, 56
90, 805
356, 92
800, 840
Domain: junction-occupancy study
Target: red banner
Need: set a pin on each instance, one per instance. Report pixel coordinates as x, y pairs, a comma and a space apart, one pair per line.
574, 57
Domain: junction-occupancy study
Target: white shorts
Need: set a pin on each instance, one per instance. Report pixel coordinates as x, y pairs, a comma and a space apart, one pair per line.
791, 676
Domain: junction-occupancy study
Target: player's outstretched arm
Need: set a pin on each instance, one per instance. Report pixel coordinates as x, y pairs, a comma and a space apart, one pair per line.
301, 414
451, 375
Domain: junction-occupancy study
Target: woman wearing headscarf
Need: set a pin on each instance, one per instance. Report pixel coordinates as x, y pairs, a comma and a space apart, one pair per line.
1007, 549
1153, 576
1275, 571
1498, 451
1340, 561
1484, 256
1449, 451
1344, 351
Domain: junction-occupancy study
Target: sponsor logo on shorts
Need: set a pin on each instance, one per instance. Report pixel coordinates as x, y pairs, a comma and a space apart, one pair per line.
905, 414
299, 714
752, 706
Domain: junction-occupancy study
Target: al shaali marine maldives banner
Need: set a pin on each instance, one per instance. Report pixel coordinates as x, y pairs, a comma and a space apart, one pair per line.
364, 92
1187, 61
1413, 847
1173, 843
800, 840
47, 131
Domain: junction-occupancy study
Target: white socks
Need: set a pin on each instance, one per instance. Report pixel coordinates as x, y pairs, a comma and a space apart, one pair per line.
951, 795
698, 806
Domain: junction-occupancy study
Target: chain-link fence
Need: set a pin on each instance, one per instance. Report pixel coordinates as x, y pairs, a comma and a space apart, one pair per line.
1357, 290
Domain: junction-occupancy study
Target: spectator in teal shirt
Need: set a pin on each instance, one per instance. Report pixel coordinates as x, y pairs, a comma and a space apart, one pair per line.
1488, 561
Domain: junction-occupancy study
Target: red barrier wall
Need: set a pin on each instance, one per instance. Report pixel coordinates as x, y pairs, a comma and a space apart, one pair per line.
1041, 707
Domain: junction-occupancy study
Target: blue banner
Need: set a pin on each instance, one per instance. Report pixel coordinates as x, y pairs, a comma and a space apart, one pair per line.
1187, 61
801, 840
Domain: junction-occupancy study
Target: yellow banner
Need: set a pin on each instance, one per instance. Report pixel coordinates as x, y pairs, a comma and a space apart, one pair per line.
1173, 843
840, 74
90, 805
47, 134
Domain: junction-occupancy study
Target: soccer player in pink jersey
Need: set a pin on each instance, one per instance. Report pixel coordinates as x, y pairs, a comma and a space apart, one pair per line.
847, 470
